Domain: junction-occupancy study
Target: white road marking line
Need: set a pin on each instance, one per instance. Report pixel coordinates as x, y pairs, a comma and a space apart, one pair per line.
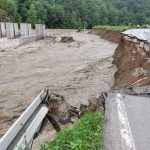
125, 130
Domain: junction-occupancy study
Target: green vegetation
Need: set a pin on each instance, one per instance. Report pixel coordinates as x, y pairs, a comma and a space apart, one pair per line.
2, 12
77, 13
112, 27
87, 134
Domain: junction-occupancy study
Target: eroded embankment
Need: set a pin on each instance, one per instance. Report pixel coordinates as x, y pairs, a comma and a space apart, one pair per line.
132, 58
110, 35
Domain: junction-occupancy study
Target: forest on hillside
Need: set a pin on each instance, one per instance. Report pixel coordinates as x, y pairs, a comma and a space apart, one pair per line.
76, 13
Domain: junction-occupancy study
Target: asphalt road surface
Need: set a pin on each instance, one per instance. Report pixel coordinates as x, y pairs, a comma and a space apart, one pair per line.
127, 122
142, 34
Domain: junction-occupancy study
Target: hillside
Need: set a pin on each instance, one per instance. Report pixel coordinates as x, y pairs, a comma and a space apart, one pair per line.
75, 14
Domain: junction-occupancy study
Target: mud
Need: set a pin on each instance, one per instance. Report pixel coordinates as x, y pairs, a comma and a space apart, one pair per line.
75, 70
132, 58
112, 36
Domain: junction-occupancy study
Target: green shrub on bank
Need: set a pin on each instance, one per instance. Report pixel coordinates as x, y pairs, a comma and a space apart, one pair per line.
87, 134
79, 29
112, 27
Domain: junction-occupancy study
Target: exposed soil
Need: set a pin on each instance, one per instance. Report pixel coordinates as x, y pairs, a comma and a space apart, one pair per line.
132, 58
112, 36
75, 70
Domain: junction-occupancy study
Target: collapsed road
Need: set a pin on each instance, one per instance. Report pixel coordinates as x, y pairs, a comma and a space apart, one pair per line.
45, 108
127, 107
77, 69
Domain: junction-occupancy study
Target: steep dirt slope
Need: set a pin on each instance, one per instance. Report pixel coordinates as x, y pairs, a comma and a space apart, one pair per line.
112, 36
132, 58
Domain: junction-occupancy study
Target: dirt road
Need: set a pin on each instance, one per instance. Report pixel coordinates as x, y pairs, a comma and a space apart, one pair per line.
75, 70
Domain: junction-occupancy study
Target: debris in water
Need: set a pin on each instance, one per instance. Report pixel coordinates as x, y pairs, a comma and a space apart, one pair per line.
67, 39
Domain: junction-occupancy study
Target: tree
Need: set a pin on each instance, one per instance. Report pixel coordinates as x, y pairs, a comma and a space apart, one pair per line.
55, 16
41, 11
32, 15
2, 9
77, 13
9, 9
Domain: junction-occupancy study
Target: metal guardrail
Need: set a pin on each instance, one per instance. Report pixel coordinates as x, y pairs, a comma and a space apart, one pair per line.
21, 133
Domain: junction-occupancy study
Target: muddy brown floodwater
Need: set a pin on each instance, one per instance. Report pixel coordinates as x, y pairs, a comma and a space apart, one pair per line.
75, 70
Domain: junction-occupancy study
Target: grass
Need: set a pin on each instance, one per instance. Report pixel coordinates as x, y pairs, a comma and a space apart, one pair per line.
87, 134
114, 28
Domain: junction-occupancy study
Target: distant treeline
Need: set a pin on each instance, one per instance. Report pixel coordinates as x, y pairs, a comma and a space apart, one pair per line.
76, 13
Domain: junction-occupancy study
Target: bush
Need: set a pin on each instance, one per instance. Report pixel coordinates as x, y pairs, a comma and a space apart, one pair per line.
87, 134
79, 29
112, 27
